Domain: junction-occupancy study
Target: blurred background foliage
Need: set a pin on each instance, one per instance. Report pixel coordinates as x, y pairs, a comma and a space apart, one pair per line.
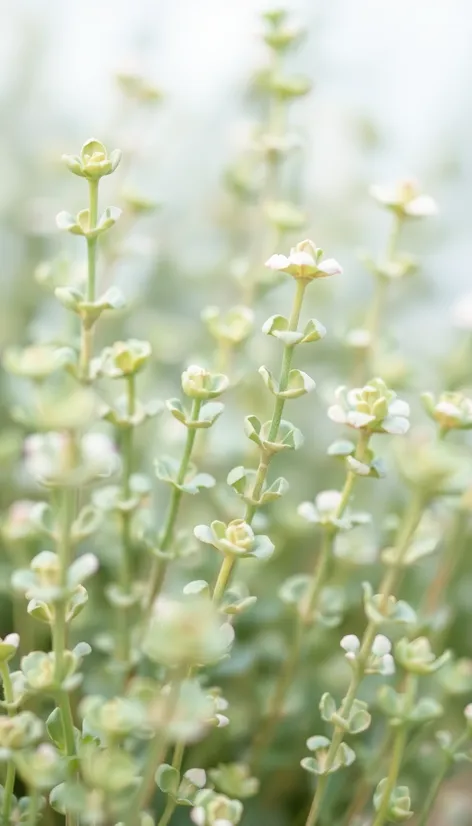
174, 86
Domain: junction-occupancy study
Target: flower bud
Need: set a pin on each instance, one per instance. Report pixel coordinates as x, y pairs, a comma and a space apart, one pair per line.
199, 383
94, 161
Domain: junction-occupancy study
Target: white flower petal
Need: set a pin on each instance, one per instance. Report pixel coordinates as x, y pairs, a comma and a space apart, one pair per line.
422, 206
396, 425
387, 665
302, 259
357, 419
350, 643
381, 646
331, 267
384, 194
308, 511
399, 408
197, 816
278, 262
448, 409
337, 414
328, 501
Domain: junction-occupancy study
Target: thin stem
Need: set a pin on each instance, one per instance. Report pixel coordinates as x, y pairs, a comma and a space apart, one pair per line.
92, 242
317, 581
59, 628
279, 401
126, 517
223, 578
374, 315
155, 757
10, 774
33, 809
388, 585
179, 749
399, 743
159, 566
86, 341
398, 750
438, 781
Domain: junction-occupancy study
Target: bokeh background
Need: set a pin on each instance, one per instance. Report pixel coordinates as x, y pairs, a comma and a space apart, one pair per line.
390, 100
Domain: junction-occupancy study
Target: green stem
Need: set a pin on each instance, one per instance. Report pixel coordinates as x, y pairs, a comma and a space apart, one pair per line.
155, 757
33, 809
398, 750
223, 578
317, 581
279, 401
86, 342
92, 242
389, 584
374, 315
59, 628
126, 576
159, 566
438, 781
179, 749
10, 774
399, 743
171, 805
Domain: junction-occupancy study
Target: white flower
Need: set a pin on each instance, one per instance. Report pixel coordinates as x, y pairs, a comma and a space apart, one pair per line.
381, 646
373, 407
351, 645
305, 262
405, 199
197, 815
386, 665
452, 410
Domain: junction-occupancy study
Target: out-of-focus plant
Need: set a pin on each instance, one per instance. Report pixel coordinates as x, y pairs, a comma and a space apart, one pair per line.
174, 641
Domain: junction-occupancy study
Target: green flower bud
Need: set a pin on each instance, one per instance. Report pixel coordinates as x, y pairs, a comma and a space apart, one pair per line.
431, 465
115, 718
235, 539
135, 86
233, 327
40, 769
417, 657
37, 362
186, 633
124, 358
94, 161
212, 809
8, 647
20, 731
199, 383
234, 780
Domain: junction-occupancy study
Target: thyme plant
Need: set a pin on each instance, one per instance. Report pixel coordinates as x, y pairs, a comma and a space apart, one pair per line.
178, 625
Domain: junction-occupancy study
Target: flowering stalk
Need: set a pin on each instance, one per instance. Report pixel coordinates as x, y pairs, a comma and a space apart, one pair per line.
159, 565
397, 752
59, 629
155, 756
404, 202
9, 783
92, 164
304, 264
451, 754
179, 748
387, 588
305, 613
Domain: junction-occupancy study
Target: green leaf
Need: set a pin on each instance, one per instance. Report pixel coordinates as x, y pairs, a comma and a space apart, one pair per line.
168, 779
